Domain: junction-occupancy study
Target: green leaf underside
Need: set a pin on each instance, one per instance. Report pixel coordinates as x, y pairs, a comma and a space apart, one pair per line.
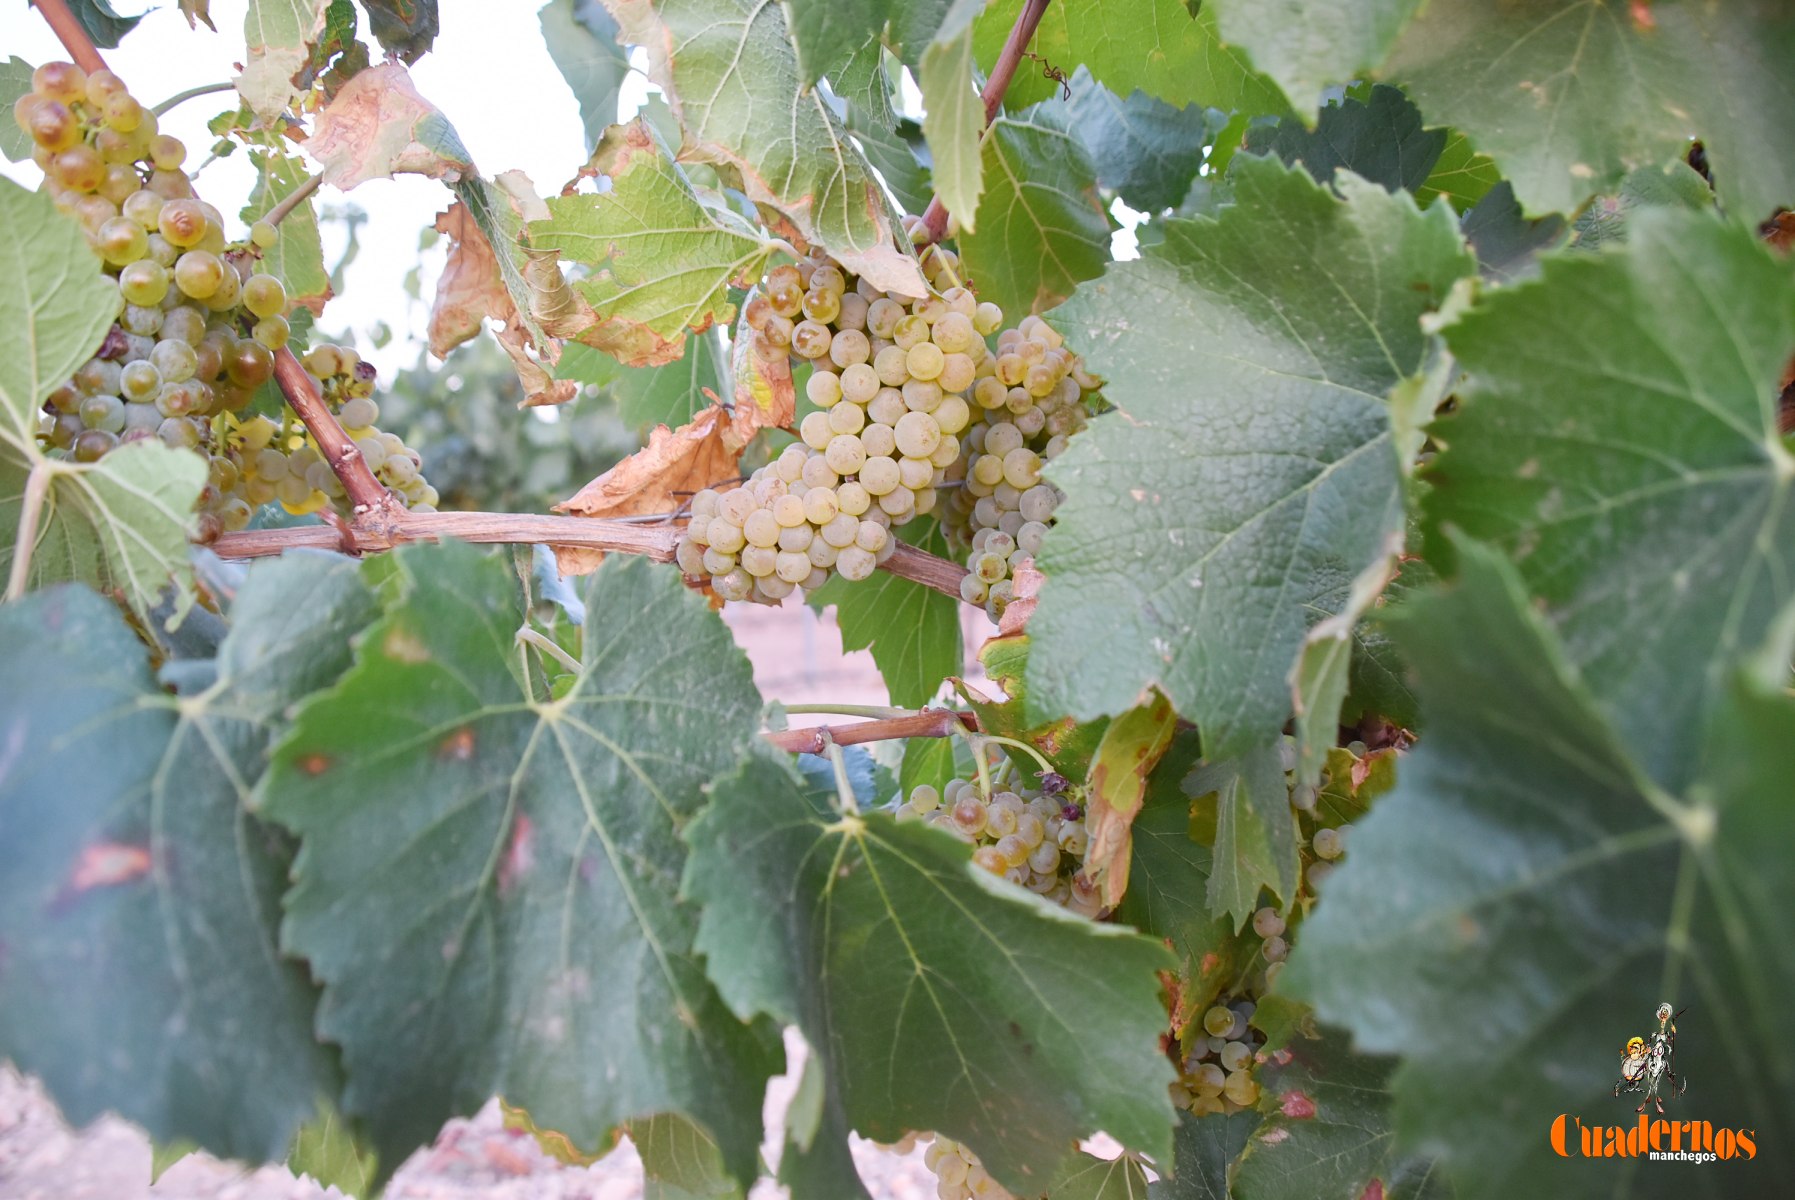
582, 39
937, 996
1507, 242
139, 901
1156, 46
527, 856
1380, 138
1087, 1177
1255, 833
1607, 218
1569, 95
15, 81
1143, 148
1305, 46
1617, 438
913, 631
680, 1161
297, 256
1200, 530
735, 87
1551, 899
1462, 174
1329, 1131
120, 523
1041, 226
1204, 1147
662, 262
953, 119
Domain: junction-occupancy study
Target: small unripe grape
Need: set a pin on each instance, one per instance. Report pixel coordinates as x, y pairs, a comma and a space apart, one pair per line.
814, 429
855, 564
199, 274
264, 296
272, 332
144, 282
263, 235
1328, 844
823, 388
859, 383
167, 153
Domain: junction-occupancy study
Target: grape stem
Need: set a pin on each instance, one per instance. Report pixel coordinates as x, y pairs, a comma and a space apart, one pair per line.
294, 199
850, 710
844, 791
935, 217
206, 89
1046, 767
935, 722
548, 646
31, 507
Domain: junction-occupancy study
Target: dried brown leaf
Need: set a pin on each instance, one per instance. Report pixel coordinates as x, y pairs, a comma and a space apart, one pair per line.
1131, 747
378, 125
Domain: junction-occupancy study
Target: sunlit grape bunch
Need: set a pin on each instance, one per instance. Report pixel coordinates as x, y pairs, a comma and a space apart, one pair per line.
1037, 396
958, 1173
199, 320
890, 379
1033, 837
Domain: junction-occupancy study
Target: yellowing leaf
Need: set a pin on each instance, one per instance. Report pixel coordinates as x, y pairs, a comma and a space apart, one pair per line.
1131, 747
278, 36
378, 125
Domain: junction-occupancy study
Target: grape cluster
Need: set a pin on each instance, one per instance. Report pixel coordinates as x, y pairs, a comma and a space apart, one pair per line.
1034, 837
199, 319
958, 1173
1038, 396
889, 379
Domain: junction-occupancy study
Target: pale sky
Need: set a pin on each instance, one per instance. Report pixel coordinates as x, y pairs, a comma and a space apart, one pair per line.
490, 74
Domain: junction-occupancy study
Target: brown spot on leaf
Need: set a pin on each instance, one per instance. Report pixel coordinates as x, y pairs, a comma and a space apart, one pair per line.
108, 864
313, 764
402, 645
520, 854
1297, 1104
1644, 20
459, 747
1373, 1190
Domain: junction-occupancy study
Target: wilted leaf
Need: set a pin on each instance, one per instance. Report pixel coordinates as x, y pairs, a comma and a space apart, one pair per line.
655, 479
278, 36
1132, 746
379, 125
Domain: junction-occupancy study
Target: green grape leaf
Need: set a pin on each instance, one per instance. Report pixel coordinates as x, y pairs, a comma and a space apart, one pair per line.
297, 256
735, 87
1462, 174
1323, 671
1204, 1149
1144, 149
662, 262
680, 1161
1569, 95
1155, 46
927, 760
892, 150
953, 120
1509, 243
913, 631
101, 23
1041, 226
1167, 883
1066, 743
871, 936
1617, 437
1198, 532
828, 33
1550, 900
437, 786
139, 901
1605, 218
648, 396
1305, 46
1379, 138
119, 523
582, 39
406, 29
163, 1156
279, 35
15, 81
1087, 1177
1255, 831
1328, 1130
328, 1150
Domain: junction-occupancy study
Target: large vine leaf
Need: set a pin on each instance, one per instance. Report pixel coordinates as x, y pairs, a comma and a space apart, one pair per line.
582, 39
278, 36
297, 256
1143, 148
1250, 469
1551, 895
913, 631
525, 856
1156, 46
1307, 46
662, 262
120, 523
1041, 229
1570, 95
139, 900
1617, 437
735, 87
937, 996
954, 116
1205, 1148
1327, 1130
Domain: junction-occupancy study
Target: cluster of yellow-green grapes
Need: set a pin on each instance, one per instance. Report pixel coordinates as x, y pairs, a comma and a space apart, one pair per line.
889, 380
1036, 397
1033, 837
199, 321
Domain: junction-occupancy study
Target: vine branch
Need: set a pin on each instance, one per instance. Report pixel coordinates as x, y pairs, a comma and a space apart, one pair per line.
68, 31
294, 199
931, 722
934, 218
